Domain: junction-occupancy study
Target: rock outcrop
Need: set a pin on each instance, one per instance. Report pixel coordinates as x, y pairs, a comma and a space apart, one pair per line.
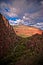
7, 36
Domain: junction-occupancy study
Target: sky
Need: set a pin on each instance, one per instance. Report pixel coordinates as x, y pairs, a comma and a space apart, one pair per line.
26, 12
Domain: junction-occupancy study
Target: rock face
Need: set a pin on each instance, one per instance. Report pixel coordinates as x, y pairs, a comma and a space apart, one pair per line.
7, 35
26, 30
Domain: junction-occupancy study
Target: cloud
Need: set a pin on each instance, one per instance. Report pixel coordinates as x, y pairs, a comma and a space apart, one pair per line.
12, 12
26, 18
28, 11
19, 7
11, 22
33, 17
38, 25
41, 2
17, 22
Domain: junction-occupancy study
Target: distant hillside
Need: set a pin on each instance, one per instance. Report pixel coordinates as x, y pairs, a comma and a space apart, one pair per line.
26, 31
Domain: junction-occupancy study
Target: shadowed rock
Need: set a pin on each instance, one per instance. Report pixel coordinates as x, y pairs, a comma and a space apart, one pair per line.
7, 36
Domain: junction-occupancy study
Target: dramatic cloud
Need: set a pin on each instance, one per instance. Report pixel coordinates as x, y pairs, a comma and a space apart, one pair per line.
29, 12
31, 17
9, 10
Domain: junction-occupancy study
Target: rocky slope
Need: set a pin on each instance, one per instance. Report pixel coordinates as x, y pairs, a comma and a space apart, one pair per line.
7, 36
26, 31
